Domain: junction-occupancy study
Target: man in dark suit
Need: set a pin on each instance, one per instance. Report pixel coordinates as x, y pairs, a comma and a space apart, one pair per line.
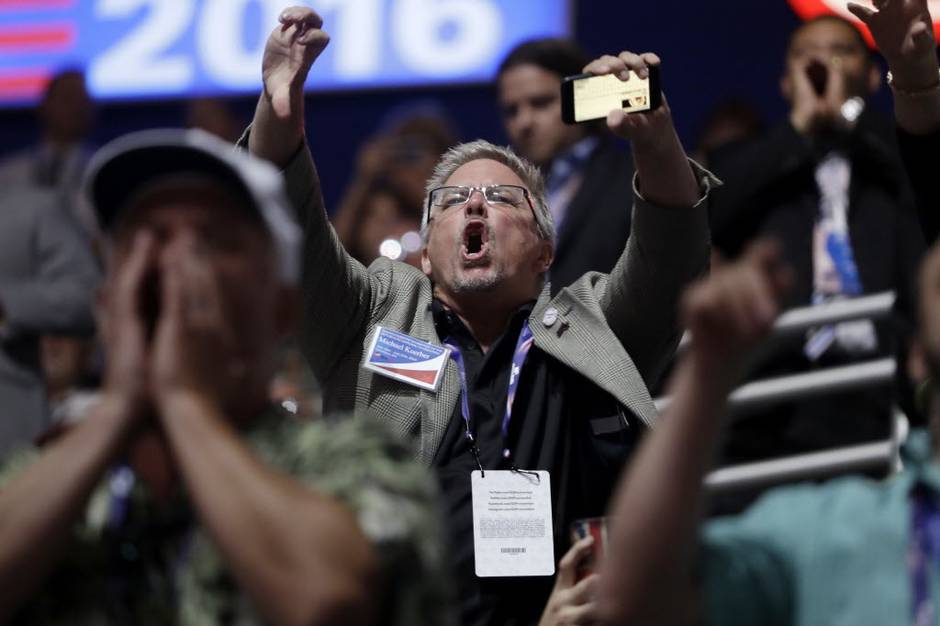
827, 183
588, 176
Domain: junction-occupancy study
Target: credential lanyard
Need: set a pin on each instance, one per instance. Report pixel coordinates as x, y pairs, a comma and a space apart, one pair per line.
924, 547
523, 345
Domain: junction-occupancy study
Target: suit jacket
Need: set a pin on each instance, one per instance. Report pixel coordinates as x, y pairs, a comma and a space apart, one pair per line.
596, 225
29, 167
771, 190
48, 278
616, 330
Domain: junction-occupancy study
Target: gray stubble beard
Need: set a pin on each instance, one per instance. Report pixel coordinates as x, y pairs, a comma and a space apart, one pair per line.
475, 284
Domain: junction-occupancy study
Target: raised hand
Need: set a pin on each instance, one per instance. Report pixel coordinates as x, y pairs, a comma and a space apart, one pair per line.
572, 602
729, 312
194, 347
638, 127
290, 51
903, 30
813, 109
126, 317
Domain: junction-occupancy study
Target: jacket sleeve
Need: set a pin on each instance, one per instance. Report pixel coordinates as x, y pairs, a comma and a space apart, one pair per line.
337, 290
58, 295
668, 248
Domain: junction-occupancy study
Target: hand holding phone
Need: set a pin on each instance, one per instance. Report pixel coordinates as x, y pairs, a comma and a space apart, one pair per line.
587, 97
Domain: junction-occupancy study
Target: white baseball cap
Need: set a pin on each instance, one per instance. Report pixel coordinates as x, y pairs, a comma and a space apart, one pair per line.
122, 167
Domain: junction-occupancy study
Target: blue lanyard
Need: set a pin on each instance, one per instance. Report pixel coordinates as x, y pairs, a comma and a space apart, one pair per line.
120, 485
925, 546
523, 345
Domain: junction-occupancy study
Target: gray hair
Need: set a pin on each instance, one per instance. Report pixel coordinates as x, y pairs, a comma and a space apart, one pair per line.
480, 149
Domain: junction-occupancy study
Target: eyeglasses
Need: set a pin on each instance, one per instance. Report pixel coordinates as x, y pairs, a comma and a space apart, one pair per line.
442, 199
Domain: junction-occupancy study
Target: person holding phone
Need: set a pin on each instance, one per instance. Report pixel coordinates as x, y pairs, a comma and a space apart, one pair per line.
497, 381
587, 172
827, 182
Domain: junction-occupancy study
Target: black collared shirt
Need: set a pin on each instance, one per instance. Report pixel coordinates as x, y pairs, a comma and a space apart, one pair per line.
561, 423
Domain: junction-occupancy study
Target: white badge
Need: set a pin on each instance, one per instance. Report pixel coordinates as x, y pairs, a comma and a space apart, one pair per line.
512, 523
406, 358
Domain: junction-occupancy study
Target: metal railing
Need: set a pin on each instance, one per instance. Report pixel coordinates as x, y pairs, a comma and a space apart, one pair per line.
801, 467
875, 307
763, 393
879, 455
760, 394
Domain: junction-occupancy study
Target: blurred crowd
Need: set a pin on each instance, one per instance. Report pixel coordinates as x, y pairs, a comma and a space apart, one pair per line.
207, 414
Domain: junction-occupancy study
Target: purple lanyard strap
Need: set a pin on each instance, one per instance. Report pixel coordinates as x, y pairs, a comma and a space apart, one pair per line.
924, 547
523, 345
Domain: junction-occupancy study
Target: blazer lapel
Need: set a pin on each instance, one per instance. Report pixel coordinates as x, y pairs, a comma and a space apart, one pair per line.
436, 408
579, 337
436, 413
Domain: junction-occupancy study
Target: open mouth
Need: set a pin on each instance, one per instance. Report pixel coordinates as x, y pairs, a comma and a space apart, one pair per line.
475, 240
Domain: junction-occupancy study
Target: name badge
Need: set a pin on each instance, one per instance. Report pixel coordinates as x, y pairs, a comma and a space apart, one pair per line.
512, 523
406, 359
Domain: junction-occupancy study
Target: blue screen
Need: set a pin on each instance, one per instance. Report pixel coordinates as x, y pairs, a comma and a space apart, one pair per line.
135, 49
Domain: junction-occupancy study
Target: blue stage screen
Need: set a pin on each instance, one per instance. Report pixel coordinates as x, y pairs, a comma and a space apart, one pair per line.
134, 49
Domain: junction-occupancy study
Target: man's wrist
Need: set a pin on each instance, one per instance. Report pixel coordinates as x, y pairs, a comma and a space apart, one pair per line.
119, 411
184, 403
912, 82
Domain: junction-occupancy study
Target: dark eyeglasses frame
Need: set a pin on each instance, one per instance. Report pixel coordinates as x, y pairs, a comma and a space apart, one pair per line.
482, 189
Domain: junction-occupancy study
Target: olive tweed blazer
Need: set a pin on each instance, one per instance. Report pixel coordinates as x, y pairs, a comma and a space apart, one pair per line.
617, 330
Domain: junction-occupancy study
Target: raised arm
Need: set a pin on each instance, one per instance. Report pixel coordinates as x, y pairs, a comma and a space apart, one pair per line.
668, 245
904, 32
337, 291
647, 578
278, 126
299, 554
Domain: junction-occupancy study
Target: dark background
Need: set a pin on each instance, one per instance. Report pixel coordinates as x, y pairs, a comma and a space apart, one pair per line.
711, 51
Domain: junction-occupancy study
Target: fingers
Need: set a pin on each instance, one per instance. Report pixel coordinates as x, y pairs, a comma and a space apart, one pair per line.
172, 298
131, 279
923, 37
801, 80
639, 64
582, 615
568, 566
623, 64
195, 292
835, 93
303, 26
584, 591
577, 605
302, 17
314, 38
862, 13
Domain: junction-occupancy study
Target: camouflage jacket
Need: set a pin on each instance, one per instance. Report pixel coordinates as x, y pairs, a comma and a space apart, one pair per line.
158, 566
